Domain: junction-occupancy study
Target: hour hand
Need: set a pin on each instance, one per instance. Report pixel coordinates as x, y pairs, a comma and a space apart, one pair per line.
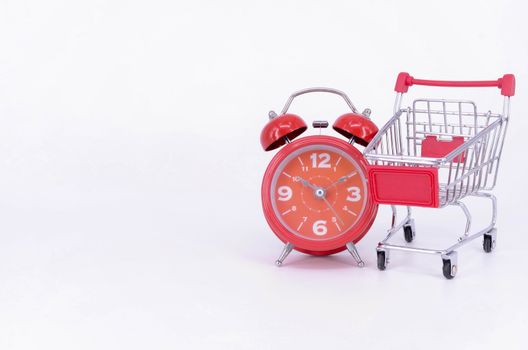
305, 182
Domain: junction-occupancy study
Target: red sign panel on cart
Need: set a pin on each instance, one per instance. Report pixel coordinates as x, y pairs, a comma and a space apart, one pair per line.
400, 185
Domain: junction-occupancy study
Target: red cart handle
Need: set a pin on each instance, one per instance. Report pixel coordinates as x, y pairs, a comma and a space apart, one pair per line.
506, 83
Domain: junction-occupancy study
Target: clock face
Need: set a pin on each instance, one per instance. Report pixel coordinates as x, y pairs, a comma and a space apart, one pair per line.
318, 192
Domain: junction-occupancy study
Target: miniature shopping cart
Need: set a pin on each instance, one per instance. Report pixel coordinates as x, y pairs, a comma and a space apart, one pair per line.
434, 154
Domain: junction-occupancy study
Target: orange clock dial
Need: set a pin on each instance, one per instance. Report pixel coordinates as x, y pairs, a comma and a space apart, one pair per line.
318, 192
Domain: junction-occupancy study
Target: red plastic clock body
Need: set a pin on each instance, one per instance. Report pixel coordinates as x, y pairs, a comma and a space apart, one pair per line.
315, 195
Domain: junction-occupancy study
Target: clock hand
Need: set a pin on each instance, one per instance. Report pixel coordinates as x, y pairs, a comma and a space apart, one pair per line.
323, 192
333, 210
342, 179
306, 183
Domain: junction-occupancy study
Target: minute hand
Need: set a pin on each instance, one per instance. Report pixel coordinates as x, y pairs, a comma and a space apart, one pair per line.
342, 179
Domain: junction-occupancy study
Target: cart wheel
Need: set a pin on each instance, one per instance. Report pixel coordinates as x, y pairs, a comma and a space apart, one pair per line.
488, 244
408, 233
382, 260
448, 269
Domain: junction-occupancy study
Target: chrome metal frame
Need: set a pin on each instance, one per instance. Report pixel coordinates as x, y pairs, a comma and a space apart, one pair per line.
469, 170
318, 89
350, 246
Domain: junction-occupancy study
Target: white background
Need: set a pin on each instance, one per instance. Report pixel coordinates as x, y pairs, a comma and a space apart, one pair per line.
130, 171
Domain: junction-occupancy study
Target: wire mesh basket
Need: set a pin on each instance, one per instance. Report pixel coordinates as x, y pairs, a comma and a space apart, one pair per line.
449, 135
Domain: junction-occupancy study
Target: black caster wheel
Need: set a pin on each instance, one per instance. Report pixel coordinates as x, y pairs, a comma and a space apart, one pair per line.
408, 233
382, 260
488, 244
448, 269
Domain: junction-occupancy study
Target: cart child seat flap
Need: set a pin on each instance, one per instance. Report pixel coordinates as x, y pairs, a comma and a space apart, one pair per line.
434, 147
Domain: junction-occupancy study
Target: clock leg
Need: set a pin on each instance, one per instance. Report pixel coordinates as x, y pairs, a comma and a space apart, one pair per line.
353, 251
285, 252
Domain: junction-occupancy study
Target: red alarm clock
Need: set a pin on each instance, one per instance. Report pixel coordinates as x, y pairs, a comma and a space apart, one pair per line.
314, 193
